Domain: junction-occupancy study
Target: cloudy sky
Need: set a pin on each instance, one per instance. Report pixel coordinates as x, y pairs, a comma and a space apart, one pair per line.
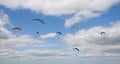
51, 47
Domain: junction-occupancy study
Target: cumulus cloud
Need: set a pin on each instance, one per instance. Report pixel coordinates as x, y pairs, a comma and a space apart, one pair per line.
9, 39
44, 53
78, 9
80, 16
91, 42
3, 21
9, 43
34, 54
16, 41
5, 52
48, 35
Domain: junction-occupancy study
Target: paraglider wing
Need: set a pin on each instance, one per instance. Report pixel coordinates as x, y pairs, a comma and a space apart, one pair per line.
76, 49
102, 33
39, 20
59, 33
37, 32
17, 28
75, 27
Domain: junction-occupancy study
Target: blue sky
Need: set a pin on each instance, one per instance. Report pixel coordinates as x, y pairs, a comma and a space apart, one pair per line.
92, 16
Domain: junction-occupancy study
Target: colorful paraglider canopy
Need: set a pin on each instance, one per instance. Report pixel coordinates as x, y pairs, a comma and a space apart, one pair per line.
39, 20
78, 27
17, 28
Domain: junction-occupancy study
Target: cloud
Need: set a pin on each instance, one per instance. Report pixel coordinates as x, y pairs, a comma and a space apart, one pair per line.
44, 53
3, 21
9, 39
17, 42
9, 44
34, 54
91, 42
79, 10
5, 52
48, 35
80, 16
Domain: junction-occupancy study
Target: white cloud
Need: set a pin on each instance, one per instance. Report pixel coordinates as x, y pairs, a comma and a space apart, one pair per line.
9, 39
48, 35
9, 45
79, 9
14, 41
34, 54
44, 53
91, 42
80, 16
3, 18
3, 21
5, 52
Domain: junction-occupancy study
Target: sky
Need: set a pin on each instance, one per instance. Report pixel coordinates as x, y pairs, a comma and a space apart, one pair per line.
50, 47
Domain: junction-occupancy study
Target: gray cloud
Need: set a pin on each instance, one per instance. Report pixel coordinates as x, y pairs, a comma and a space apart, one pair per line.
92, 43
113, 51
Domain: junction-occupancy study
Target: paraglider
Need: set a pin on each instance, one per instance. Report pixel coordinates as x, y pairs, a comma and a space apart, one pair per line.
77, 27
76, 50
37, 32
58, 34
17, 29
39, 20
102, 34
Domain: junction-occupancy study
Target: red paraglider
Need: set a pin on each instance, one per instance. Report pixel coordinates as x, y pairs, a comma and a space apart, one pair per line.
17, 29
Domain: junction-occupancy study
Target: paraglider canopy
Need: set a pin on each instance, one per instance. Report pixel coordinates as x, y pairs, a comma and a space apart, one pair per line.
59, 33
17, 28
76, 49
75, 27
37, 32
38, 20
102, 33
